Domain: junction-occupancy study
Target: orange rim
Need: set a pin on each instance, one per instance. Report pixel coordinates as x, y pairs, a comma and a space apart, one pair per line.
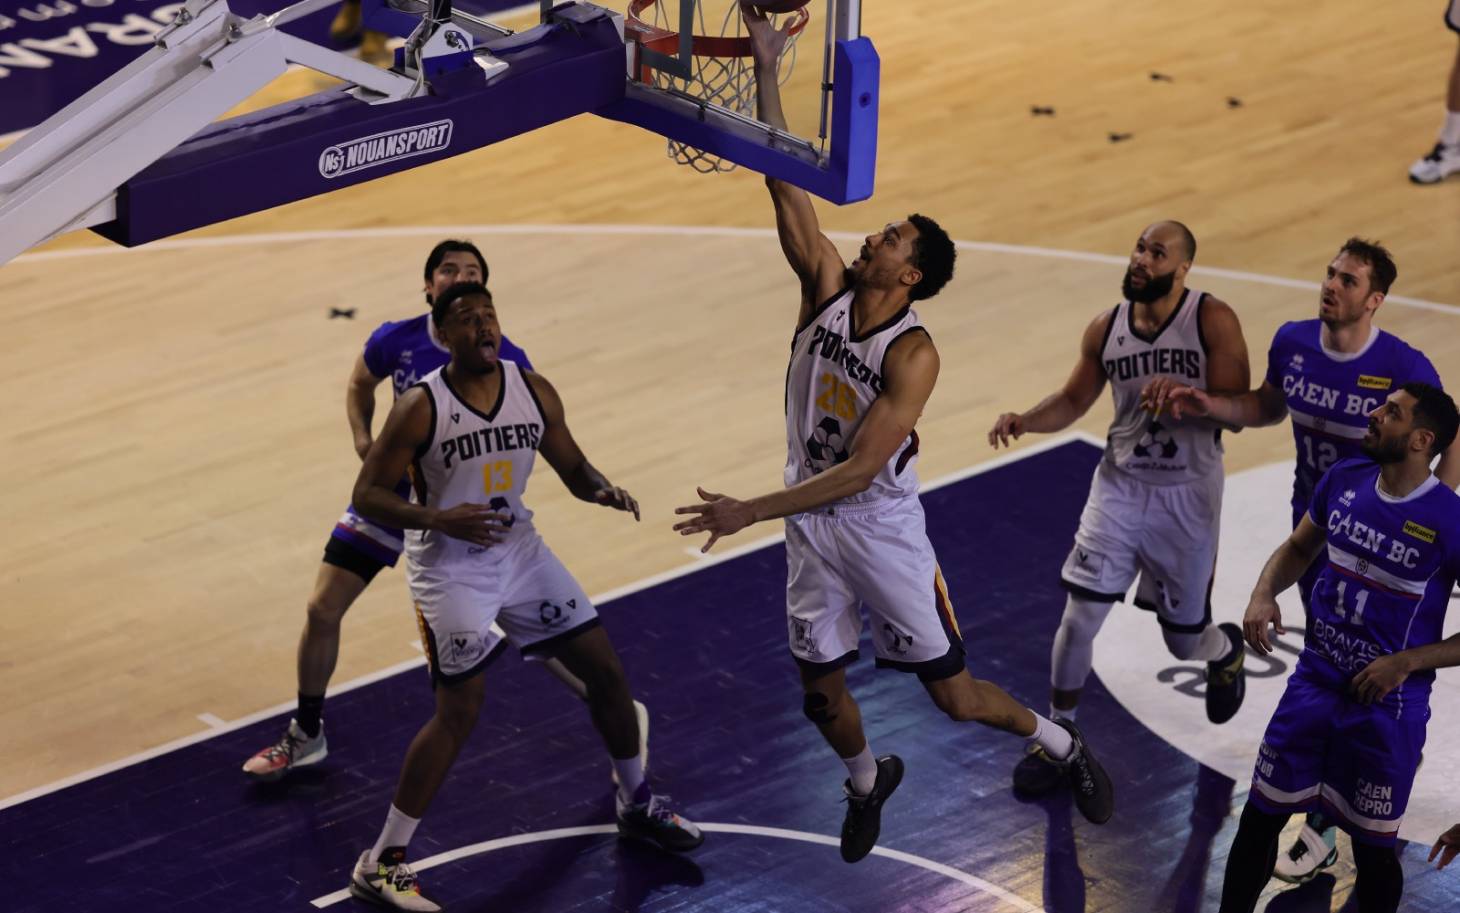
667, 42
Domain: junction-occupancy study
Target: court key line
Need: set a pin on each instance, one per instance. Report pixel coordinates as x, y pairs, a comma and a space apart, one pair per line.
413, 231
600, 600
502, 843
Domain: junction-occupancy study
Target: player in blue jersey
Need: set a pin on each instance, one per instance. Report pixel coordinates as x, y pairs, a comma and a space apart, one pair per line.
1327, 373
1348, 731
403, 352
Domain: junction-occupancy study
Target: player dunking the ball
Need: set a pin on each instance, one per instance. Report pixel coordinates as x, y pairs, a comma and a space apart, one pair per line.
471, 431
862, 368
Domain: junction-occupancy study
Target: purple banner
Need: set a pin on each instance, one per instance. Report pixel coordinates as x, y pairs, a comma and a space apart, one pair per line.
52, 52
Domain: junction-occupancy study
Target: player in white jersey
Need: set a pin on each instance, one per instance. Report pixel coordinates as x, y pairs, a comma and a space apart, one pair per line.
357, 550
1156, 498
862, 368
1444, 160
470, 433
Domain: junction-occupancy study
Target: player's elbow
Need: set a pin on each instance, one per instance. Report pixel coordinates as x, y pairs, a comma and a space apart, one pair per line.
860, 475
362, 498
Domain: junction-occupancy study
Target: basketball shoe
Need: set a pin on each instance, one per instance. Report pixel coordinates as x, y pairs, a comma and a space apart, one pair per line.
390, 883
1442, 162
294, 749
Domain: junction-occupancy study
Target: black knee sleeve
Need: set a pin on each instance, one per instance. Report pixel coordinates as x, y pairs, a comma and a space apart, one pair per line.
817, 708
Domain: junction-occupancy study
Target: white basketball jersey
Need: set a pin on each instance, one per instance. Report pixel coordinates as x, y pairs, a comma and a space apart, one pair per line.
831, 382
477, 458
1152, 448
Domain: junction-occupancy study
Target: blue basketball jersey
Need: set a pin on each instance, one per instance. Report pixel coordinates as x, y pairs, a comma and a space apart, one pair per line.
1386, 579
407, 350
1330, 394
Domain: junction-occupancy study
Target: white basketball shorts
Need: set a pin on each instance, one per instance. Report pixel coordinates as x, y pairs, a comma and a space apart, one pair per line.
875, 554
519, 584
1165, 534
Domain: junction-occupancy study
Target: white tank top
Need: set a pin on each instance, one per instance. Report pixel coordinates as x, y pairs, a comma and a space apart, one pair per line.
831, 382
475, 457
1156, 449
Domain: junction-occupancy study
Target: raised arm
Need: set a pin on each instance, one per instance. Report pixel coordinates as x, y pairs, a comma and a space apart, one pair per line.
1063, 407
407, 430
565, 456
812, 256
909, 370
360, 404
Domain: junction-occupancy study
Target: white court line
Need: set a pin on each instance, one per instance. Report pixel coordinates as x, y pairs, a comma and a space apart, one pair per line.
1019, 250
750, 830
214, 721
699, 564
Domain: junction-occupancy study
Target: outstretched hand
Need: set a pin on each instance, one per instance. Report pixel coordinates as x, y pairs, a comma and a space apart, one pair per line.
1446, 847
1009, 426
719, 515
1166, 392
618, 499
766, 41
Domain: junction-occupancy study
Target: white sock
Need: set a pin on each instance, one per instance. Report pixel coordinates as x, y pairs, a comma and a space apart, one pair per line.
630, 774
1056, 742
1450, 134
398, 831
1214, 645
863, 771
1055, 713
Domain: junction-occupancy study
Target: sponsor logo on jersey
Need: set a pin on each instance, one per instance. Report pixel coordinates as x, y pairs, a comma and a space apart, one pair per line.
383, 148
1348, 498
1423, 533
1297, 363
1375, 383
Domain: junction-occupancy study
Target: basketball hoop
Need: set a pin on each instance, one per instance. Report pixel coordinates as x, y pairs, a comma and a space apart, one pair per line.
721, 69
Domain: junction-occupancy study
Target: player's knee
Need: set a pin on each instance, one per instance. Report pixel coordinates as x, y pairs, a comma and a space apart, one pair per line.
325, 613
819, 708
1082, 619
1182, 646
457, 710
602, 676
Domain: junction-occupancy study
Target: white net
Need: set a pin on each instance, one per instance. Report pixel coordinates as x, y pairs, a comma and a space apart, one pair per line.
728, 82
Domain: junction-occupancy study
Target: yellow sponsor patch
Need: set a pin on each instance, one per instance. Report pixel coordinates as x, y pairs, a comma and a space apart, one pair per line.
1375, 383
1419, 532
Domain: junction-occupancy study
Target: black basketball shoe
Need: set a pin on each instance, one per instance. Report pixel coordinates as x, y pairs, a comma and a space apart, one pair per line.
864, 813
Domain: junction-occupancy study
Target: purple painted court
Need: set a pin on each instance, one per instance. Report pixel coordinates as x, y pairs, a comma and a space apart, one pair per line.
706, 651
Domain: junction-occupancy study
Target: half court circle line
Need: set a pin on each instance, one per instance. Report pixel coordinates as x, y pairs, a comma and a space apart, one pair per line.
749, 830
707, 231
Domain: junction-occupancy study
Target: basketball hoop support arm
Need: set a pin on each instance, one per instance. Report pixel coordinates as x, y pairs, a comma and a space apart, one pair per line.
73, 170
